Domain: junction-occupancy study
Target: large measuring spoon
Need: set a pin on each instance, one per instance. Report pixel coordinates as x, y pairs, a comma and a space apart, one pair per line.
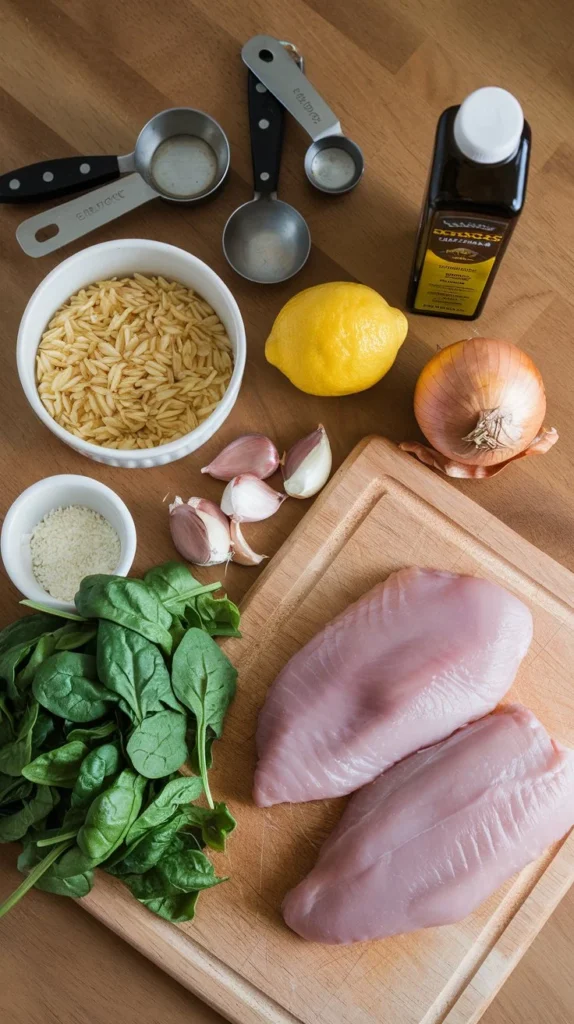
266, 240
181, 155
333, 163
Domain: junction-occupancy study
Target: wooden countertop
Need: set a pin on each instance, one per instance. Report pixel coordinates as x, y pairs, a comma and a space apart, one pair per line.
79, 78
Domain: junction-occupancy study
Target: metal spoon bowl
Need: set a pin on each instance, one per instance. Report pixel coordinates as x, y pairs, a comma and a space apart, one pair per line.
266, 240
333, 162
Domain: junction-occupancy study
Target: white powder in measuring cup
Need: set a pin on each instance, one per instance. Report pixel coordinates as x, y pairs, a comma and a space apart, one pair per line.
183, 166
333, 167
70, 543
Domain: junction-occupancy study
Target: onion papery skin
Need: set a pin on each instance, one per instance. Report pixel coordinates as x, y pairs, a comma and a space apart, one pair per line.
469, 379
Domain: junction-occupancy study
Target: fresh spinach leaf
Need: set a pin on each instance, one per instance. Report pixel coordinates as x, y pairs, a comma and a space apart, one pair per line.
215, 824
66, 685
157, 747
219, 615
70, 875
32, 879
9, 662
13, 788
188, 871
148, 850
203, 679
57, 612
45, 646
6, 731
175, 587
44, 730
16, 754
6, 714
30, 628
192, 618
188, 838
93, 733
58, 767
97, 768
134, 669
14, 826
110, 816
178, 630
175, 794
72, 636
150, 889
128, 602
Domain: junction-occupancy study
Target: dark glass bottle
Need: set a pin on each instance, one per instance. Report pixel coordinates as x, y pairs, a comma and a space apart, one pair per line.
475, 194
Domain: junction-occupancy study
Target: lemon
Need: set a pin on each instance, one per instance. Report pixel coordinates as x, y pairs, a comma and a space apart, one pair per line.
336, 338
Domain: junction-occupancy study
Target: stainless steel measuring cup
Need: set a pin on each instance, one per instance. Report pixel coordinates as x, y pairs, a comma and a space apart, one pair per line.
266, 240
181, 155
333, 163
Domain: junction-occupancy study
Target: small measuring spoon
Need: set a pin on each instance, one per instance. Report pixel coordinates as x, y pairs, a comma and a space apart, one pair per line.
333, 163
181, 155
266, 240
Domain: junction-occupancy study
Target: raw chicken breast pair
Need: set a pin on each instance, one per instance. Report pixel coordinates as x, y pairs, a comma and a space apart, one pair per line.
407, 665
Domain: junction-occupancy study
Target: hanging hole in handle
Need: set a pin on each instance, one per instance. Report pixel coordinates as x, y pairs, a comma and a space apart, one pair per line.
46, 233
266, 55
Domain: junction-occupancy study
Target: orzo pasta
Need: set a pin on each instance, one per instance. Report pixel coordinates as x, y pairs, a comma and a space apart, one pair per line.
133, 363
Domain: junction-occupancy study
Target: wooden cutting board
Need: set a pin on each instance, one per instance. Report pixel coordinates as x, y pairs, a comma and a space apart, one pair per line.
381, 511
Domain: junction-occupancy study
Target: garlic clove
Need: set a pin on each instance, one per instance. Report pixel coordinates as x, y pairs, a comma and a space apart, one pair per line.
252, 453
200, 535
246, 499
242, 553
308, 464
208, 508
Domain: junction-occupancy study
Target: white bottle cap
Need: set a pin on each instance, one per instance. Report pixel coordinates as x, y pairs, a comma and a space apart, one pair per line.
488, 125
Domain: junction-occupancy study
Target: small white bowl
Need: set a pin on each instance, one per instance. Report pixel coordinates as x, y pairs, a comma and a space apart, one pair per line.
122, 258
39, 499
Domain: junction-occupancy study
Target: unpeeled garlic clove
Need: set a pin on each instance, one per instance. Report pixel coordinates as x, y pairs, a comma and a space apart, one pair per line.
308, 464
242, 553
246, 499
252, 453
200, 531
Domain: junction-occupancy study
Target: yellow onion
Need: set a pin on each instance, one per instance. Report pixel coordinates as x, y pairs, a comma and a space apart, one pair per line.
481, 404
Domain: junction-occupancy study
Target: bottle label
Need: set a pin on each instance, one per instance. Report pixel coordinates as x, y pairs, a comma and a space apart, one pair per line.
458, 262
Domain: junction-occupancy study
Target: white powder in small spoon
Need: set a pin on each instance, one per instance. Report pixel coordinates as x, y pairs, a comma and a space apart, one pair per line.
70, 543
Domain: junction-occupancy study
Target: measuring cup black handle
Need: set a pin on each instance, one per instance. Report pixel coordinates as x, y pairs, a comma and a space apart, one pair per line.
266, 128
51, 178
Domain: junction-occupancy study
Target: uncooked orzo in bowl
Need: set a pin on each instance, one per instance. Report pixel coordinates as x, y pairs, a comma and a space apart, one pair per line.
134, 362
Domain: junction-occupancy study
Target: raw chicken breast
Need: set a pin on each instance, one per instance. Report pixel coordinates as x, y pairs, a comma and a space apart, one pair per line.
411, 661
430, 839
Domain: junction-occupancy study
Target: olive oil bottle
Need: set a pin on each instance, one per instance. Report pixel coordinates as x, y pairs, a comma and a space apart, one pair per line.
475, 194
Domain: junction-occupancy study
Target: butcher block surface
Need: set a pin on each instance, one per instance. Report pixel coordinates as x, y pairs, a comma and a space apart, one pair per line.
381, 511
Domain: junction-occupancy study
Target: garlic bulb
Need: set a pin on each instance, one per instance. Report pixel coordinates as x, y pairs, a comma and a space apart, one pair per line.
242, 553
200, 531
308, 464
252, 453
248, 500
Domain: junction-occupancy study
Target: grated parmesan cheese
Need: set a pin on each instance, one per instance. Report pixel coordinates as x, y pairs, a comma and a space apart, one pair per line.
70, 543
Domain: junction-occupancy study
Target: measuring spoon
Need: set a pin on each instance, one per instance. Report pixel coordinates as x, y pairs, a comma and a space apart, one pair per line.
266, 240
181, 155
333, 163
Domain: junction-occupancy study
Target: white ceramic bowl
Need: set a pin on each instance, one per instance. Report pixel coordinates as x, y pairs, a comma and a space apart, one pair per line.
39, 499
120, 259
